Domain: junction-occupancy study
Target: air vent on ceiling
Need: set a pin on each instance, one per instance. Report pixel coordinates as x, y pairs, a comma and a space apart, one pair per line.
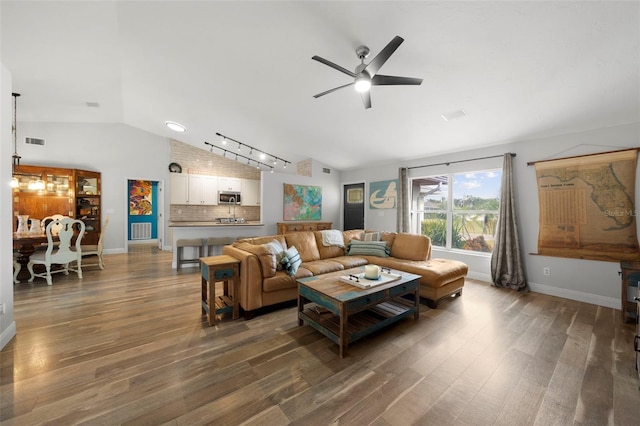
326, 170
34, 141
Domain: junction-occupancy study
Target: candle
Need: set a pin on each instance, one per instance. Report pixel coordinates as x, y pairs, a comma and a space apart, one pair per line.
371, 272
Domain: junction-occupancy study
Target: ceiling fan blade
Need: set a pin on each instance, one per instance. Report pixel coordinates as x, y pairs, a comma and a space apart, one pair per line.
333, 90
366, 99
334, 66
391, 80
384, 54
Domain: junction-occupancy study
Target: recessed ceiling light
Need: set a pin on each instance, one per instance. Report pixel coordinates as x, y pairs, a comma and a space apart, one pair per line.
176, 127
453, 115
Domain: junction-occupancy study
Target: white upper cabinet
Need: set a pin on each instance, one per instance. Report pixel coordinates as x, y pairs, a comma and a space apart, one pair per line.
250, 192
229, 184
194, 189
179, 188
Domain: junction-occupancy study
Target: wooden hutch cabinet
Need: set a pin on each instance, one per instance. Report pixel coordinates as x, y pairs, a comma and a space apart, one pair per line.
88, 204
44, 191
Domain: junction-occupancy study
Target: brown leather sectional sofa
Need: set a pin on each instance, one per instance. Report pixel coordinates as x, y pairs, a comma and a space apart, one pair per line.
262, 284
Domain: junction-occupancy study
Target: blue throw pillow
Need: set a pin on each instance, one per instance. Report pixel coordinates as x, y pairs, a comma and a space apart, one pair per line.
368, 248
291, 260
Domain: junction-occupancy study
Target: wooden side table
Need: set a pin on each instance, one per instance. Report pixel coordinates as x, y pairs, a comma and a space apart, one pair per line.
223, 268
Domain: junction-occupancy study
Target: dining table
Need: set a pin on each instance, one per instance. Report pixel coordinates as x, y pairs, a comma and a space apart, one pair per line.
26, 244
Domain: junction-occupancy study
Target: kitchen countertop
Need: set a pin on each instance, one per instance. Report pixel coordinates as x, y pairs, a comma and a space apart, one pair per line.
185, 224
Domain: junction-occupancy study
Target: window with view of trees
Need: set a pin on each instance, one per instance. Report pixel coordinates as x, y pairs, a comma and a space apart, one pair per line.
458, 211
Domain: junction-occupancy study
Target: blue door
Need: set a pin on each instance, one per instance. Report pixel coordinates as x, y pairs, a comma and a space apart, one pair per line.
143, 210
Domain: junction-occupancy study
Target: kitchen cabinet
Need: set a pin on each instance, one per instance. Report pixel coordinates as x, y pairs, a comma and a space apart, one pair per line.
194, 189
250, 192
203, 190
179, 188
229, 184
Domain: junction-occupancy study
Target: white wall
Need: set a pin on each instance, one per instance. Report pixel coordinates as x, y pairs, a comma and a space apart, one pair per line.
584, 280
118, 151
7, 324
272, 195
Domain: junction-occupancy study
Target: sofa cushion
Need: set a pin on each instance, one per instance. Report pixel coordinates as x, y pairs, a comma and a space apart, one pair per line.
283, 281
389, 237
305, 242
266, 258
327, 251
352, 234
291, 260
350, 261
368, 248
411, 247
323, 266
268, 239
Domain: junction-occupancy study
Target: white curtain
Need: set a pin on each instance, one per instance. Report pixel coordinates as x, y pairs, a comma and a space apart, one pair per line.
506, 262
403, 218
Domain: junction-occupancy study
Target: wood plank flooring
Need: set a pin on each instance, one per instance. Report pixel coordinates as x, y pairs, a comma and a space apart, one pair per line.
128, 345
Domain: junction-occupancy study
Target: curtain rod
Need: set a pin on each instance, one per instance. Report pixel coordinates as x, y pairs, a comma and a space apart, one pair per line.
513, 154
531, 163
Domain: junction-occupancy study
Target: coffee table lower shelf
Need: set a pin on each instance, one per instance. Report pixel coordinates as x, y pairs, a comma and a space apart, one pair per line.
359, 324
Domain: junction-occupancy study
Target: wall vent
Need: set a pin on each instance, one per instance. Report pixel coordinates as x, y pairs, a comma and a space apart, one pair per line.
326, 170
141, 231
34, 141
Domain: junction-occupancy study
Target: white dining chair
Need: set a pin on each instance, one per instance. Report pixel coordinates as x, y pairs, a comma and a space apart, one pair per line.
60, 253
95, 249
16, 268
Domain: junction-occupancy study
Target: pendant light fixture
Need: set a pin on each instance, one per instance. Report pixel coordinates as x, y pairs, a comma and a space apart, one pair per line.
14, 131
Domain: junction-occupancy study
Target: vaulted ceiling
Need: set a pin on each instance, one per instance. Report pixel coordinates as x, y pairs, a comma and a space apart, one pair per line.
519, 70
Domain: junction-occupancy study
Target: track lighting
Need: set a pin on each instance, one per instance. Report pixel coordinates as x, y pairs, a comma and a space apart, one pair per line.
263, 154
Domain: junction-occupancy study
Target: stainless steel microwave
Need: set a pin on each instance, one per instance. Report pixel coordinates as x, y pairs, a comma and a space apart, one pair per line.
229, 197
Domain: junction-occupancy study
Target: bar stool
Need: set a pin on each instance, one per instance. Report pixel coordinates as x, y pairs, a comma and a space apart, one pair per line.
191, 242
214, 242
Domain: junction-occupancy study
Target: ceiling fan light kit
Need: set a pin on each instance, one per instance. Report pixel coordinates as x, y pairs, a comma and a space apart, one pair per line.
366, 75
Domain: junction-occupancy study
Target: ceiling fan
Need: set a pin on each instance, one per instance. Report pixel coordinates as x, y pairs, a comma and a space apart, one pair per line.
366, 75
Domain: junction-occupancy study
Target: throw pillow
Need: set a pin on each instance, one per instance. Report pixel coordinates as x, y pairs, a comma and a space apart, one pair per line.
372, 236
278, 251
368, 248
291, 260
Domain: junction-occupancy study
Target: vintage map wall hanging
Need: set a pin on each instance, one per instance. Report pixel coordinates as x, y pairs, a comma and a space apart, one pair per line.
587, 207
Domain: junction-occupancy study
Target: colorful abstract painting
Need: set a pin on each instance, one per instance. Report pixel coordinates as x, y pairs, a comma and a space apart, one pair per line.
140, 198
383, 194
302, 202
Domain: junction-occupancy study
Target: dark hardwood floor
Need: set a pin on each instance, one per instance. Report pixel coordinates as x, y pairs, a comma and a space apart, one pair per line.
128, 345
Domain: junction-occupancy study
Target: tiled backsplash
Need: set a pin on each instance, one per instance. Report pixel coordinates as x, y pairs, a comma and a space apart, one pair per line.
209, 213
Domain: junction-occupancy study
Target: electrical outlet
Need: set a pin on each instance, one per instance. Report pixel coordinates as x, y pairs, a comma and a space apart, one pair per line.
547, 271
1, 308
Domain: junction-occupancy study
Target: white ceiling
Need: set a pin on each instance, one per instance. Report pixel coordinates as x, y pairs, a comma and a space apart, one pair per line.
519, 70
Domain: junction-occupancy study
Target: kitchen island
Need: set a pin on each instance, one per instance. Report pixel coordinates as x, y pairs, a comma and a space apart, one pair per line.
212, 229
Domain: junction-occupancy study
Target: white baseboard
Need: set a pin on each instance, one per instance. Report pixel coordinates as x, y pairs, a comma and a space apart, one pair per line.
579, 296
7, 334
594, 299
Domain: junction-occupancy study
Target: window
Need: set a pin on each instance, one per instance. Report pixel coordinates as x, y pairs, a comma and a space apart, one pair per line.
457, 211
